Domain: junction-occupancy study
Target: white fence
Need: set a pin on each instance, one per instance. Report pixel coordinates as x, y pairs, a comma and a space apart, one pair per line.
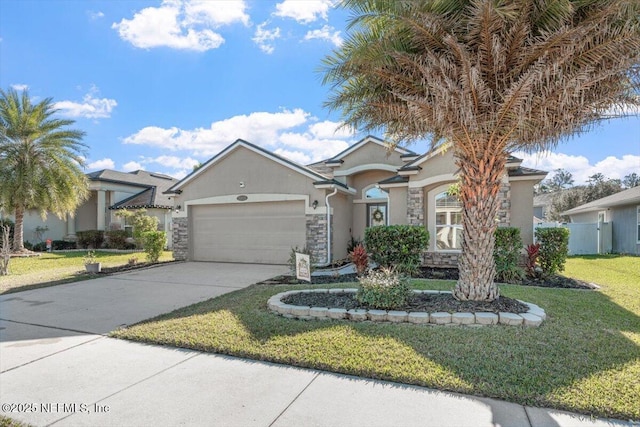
585, 238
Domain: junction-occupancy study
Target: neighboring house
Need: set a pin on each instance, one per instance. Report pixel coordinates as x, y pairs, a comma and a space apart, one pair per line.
247, 204
622, 210
542, 205
109, 191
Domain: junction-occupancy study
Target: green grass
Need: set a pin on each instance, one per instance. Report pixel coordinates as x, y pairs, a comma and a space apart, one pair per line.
55, 268
584, 358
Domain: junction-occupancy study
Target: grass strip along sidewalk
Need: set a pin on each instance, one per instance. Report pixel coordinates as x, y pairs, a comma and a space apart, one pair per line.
584, 358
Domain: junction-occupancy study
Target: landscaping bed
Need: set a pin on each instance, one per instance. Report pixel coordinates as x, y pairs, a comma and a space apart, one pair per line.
417, 302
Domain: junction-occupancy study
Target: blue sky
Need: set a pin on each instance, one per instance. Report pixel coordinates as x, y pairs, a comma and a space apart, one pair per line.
162, 85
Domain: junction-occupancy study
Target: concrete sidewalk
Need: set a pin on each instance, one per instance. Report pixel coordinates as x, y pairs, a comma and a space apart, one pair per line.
57, 367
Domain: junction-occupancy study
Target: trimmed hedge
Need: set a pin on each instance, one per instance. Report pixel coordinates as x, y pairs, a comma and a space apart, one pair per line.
554, 249
117, 239
90, 239
396, 245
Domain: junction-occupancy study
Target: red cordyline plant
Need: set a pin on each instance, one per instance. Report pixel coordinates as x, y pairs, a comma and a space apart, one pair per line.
360, 259
533, 250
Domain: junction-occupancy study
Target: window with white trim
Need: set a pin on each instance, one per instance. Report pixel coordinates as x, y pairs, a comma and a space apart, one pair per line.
448, 222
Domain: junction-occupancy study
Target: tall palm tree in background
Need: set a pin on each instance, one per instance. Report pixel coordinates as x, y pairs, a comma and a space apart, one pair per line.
488, 77
40, 161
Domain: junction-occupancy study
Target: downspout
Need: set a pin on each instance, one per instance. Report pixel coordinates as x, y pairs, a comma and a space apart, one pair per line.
326, 202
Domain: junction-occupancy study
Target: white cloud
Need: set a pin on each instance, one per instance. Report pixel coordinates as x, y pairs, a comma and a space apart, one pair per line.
132, 166
20, 87
304, 11
93, 15
182, 24
105, 163
90, 107
260, 128
290, 133
264, 37
580, 167
325, 33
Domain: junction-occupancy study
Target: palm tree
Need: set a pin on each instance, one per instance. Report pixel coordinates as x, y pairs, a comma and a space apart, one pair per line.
487, 77
40, 160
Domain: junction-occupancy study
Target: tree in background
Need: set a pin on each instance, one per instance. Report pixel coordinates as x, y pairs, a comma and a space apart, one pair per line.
486, 77
561, 180
631, 180
598, 186
40, 161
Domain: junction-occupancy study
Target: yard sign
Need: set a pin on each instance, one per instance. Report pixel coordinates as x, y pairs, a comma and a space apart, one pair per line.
303, 267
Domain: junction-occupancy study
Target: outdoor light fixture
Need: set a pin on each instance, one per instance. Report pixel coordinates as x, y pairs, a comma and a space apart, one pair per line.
241, 184
314, 205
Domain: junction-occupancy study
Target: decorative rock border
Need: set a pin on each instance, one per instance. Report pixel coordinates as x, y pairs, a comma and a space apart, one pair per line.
534, 317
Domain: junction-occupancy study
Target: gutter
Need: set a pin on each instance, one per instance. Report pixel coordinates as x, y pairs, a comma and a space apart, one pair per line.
326, 200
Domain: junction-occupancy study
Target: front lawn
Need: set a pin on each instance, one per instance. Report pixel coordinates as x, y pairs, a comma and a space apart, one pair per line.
584, 358
60, 267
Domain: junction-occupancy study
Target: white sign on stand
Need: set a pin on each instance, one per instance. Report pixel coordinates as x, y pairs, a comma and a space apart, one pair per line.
303, 267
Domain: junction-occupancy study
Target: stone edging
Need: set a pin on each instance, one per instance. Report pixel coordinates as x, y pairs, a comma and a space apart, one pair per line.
534, 317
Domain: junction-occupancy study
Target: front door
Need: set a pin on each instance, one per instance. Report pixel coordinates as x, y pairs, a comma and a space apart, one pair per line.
376, 214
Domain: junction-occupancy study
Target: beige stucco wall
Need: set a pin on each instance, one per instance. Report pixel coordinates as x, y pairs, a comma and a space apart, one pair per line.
260, 175
57, 228
362, 180
359, 220
522, 209
342, 217
398, 205
439, 164
86, 215
370, 153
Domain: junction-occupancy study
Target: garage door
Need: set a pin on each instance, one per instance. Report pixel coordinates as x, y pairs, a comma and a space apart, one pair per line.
248, 232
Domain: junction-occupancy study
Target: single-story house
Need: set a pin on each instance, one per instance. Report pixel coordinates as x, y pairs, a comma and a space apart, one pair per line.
622, 210
110, 191
247, 204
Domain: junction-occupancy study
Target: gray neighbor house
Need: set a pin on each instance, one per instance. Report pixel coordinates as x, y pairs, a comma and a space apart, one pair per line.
622, 210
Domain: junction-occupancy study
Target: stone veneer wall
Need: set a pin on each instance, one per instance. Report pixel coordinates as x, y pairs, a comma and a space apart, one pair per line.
317, 237
415, 206
180, 238
504, 210
441, 259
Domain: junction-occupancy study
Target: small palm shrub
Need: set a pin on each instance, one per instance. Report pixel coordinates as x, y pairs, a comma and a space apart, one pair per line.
383, 289
359, 257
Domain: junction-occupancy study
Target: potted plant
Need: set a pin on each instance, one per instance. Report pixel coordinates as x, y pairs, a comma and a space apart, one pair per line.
91, 263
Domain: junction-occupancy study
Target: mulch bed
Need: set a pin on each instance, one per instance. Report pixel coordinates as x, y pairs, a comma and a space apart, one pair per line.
418, 302
556, 281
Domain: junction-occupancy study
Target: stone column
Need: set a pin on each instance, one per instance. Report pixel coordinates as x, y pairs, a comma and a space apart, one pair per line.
317, 237
415, 206
504, 210
101, 210
180, 238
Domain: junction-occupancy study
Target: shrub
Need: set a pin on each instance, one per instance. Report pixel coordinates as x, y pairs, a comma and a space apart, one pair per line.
359, 257
92, 239
39, 247
554, 248
533, 250
116, 239
154, 243
396, 244
384, 289
292, 259
142, 223
61, 245
506, 254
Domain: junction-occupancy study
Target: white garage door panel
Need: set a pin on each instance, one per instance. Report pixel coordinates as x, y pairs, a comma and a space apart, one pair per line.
248, 232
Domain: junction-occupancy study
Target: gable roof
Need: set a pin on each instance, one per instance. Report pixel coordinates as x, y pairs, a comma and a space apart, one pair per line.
337, 159
303, 170
625, 197
152, 186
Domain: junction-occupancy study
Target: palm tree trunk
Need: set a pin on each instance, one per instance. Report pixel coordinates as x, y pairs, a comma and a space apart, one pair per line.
480, 194
18, 240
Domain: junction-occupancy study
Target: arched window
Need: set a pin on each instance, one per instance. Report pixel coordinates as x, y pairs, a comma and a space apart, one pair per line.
448, 222
375, 193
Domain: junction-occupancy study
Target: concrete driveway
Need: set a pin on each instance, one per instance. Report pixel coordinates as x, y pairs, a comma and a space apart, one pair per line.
34, 323
58, 367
